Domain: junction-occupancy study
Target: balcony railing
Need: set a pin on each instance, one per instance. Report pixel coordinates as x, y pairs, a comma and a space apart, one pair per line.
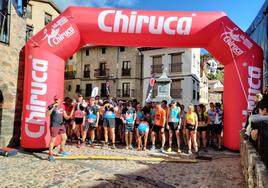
86, 74
69, 75
126, 72
175, 67
176, 93
157, 68
101, 73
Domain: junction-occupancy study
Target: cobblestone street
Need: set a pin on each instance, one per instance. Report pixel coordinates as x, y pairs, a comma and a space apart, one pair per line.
33, 170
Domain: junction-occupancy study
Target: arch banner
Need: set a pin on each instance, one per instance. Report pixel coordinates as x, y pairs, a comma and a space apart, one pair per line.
47, 51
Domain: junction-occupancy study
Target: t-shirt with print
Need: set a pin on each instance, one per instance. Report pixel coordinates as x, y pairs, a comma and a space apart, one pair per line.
129, 116
92, 112
174, 114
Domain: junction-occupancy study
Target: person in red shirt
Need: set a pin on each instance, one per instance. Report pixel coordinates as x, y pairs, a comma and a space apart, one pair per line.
159, 126
68, 122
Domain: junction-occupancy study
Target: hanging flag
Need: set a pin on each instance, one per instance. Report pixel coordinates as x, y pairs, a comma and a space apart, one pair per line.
150, 89
107, 88
18, 5
94, 92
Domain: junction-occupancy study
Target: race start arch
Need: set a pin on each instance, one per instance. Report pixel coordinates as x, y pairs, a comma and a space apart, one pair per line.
47, 51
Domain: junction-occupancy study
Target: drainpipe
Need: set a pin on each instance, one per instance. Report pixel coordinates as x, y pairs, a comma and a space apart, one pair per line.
141, 74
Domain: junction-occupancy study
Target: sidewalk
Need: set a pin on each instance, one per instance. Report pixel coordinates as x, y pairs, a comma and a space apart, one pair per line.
32, 170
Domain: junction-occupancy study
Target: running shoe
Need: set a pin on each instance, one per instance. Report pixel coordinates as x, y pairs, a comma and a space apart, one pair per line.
152, 148
63, 153
78, 144
113, 147
90, 142
179, 151
83, 145
126, 147
131, 147
169, 150
162, 150
51, 158
190, 152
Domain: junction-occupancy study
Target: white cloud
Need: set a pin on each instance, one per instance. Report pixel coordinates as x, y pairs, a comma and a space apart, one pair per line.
63, 4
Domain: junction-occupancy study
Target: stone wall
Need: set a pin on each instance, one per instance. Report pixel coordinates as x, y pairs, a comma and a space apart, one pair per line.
10, 61
253, 168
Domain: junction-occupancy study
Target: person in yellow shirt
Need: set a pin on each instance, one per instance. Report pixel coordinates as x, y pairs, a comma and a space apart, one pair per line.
191, 122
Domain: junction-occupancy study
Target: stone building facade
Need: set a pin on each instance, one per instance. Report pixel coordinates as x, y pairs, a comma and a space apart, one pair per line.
39, 13
119, 67
183, 66
11, 62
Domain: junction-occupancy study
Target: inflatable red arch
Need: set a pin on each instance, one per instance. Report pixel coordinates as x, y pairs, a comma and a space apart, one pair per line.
48, 50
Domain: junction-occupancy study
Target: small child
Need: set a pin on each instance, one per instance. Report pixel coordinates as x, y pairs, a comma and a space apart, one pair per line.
143, 129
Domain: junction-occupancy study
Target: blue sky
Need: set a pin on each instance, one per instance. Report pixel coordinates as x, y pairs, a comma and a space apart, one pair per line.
242, 12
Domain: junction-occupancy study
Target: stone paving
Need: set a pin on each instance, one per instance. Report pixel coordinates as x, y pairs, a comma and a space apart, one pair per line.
31, 169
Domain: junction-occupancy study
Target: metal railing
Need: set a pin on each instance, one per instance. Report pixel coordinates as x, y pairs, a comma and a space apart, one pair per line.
69, 75
157, 68
86, 74
126, 72
101, 73
175, 67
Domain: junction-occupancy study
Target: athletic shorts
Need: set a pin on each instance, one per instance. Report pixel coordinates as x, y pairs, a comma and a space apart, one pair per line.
118, 121
201, 129
78, 121
128, 128
190, 127
217, 128
67, 121
173, 126
100, 121
91, 125
157, 128
109, 122
210, 127
55, 131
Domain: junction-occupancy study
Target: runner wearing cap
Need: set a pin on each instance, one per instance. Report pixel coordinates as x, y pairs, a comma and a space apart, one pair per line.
57, 112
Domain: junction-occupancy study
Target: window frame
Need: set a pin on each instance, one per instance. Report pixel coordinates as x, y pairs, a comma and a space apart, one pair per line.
47, 14
7, 41
126, 87
29, 27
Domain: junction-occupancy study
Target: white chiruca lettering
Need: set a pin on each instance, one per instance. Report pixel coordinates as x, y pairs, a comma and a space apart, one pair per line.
134, 23
234, 40
56, 36
37, 107
254, 83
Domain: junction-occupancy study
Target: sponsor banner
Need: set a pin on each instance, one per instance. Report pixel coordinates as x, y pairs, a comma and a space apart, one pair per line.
79, 26
40, 86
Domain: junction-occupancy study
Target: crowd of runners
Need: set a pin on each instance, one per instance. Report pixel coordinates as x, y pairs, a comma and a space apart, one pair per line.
85, 122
